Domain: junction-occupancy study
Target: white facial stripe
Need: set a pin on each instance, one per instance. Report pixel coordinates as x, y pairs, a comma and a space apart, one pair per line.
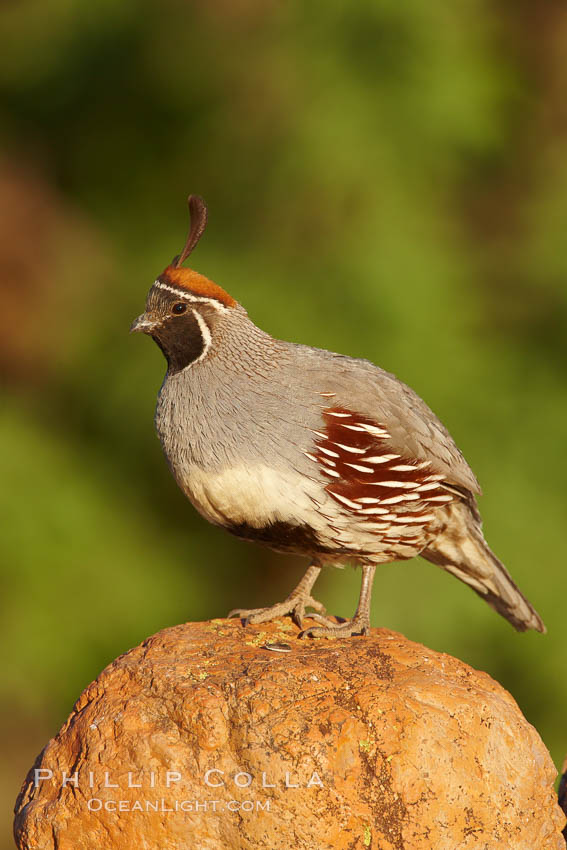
179, 293
206, 334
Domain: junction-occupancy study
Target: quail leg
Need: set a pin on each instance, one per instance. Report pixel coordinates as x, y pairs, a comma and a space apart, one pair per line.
360, 623
294, 604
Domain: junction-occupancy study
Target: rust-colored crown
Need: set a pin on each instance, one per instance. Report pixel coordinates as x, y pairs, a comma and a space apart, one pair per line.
188, 279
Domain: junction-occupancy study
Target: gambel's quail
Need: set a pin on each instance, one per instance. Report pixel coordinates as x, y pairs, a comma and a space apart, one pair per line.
310, 452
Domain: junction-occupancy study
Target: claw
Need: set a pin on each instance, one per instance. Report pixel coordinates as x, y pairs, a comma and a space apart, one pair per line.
346, 628
294, 606
326, 621
238, 612
247, 615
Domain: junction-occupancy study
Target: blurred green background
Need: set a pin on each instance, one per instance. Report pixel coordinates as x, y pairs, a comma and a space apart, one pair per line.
385, 180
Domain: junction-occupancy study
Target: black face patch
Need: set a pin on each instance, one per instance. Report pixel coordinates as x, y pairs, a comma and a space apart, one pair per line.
181, 340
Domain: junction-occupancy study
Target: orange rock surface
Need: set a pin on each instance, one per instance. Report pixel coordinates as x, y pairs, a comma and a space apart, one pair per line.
202, 738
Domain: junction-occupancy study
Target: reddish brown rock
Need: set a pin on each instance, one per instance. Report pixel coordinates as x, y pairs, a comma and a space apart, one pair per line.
362, 743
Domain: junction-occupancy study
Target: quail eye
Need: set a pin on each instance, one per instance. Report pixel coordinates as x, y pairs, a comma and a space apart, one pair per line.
179, 308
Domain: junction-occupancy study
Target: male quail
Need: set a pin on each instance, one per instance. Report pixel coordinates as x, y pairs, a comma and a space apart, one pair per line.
310, 452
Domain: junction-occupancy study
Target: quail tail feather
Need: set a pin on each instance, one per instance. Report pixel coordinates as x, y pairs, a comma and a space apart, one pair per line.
462, 551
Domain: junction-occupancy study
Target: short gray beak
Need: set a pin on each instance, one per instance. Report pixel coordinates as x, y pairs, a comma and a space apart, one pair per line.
142, 324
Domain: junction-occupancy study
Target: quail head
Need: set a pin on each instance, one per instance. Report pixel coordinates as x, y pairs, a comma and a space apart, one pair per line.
310, 452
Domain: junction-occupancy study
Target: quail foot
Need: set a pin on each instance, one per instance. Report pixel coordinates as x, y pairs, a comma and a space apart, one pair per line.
311, 452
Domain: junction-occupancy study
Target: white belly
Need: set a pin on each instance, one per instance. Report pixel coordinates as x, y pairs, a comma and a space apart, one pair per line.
256, 495
259, 496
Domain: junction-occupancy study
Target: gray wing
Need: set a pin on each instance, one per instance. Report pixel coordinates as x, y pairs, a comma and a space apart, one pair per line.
415, 431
